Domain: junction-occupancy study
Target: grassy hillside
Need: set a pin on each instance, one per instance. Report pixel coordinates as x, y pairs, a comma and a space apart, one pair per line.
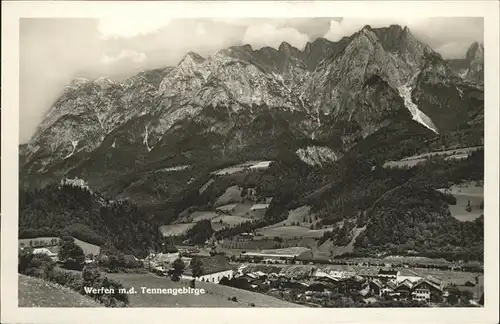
217, 295
34, 292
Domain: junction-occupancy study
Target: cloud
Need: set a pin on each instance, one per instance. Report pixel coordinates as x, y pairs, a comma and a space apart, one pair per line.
124, 27
449, 36
134, 56
266, 34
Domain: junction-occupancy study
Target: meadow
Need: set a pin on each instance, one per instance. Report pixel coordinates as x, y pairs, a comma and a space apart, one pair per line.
51, 242
34, 292
216, 295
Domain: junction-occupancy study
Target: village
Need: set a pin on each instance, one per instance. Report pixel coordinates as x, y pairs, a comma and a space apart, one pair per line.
292, 274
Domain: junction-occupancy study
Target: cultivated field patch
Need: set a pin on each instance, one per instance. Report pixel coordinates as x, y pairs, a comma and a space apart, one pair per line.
230, 196
175, 229
291, 231
465, 194
411, 161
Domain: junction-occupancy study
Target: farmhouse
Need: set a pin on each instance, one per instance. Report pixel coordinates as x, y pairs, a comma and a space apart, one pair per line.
45, 251
292, 253
376, 287
259, 207
261, 165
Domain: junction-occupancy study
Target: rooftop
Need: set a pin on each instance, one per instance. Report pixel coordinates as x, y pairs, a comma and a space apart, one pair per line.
388, 272
259, 206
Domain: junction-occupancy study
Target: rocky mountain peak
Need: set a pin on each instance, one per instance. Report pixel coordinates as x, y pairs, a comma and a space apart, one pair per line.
247, 47
287, 48
189, 61
475, 52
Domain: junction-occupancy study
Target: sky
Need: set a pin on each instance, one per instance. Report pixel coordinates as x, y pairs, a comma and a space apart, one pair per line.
53, 51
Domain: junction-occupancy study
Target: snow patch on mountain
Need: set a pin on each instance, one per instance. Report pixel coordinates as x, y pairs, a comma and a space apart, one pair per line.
418, 116
175, 168
146, 134
317, 155
74, 144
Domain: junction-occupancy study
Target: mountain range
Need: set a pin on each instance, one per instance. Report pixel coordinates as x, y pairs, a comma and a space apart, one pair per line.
339, 109
329, 116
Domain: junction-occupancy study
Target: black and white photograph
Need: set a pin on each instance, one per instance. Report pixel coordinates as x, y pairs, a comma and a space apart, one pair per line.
252, 162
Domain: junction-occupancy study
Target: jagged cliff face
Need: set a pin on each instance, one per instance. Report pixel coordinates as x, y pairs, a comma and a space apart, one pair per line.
243, 103
471, 68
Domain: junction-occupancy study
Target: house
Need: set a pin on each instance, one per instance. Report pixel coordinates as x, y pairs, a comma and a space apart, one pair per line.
376, 287
263, 165
412, 279
404, 288
389, 288
45, 251
387, 274
427, 290
354, 284
259, 207
325, 277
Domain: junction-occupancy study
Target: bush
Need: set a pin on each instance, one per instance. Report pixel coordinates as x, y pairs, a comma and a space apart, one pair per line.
70, 254
43, 267
65, 278
34, 265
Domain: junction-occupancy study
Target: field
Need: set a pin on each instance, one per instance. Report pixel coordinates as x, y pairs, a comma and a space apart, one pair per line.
47, 241
216, 296
415, 159
328, 250
291, 231
230, 196
465, 193
34, 292
234, 247
238, 213
176, 229
242, 167
87, 247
